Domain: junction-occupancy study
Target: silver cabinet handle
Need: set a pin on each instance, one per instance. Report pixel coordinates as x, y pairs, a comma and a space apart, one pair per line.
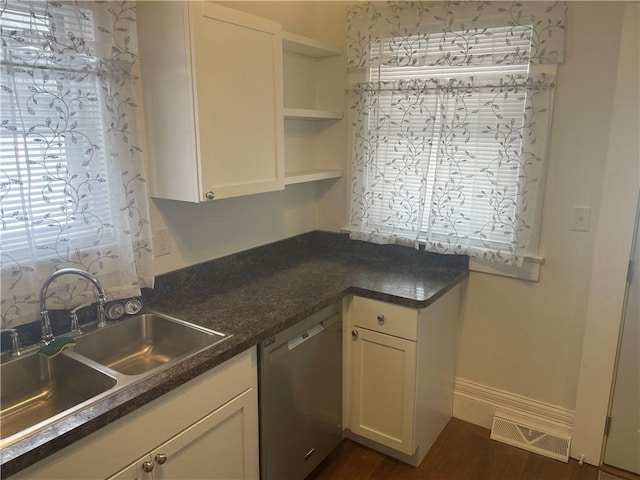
354, 334
209, 195
161, 459
147, 467
380, 318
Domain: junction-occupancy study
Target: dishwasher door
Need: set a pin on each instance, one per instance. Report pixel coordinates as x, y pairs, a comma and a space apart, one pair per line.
301, 396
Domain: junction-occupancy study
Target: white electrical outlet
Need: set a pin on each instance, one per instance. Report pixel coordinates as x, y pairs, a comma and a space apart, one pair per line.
162, 243
581, 219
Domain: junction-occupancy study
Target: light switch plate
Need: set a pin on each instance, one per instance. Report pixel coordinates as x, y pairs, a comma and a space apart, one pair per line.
581, 219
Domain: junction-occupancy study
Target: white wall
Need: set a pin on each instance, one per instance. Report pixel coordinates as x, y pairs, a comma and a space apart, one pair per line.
201, 232
526, 338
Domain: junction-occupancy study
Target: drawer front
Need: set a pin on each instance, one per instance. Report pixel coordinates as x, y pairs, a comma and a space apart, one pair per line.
385, 317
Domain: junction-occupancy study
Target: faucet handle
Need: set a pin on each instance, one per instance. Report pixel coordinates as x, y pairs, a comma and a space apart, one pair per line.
102, 321
102, 300
75, 324
16, 349
47, 334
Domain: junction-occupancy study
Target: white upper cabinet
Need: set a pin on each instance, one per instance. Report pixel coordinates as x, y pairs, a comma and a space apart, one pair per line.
212, 89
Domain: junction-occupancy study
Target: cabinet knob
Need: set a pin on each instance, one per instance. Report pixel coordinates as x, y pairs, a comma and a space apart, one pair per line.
161, 458
147, 467
380, 318
209, 195
354, 334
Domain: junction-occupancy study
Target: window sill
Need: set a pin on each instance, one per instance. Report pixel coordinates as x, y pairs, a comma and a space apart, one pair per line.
530, 269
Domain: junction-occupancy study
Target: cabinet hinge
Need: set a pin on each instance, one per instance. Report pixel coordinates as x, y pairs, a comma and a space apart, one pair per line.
632, 267
607, 426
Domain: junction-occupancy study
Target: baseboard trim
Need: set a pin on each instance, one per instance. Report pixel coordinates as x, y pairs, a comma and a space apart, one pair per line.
477, 404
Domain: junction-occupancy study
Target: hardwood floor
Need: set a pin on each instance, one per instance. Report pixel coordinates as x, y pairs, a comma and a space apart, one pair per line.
462, 452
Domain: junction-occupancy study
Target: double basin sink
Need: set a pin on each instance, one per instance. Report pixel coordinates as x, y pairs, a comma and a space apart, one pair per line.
37, 391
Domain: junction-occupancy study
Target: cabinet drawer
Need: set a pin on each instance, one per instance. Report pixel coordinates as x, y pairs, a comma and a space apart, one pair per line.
385, 317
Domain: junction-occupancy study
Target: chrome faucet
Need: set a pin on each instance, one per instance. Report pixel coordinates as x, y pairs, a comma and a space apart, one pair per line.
16, 349
47, 334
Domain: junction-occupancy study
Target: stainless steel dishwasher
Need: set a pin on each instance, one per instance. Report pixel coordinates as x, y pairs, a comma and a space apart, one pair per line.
301, 396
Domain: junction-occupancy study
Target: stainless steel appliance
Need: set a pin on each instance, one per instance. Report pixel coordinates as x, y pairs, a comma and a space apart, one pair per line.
301, 396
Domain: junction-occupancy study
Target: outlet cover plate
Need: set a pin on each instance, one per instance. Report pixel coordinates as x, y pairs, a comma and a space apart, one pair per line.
162, 244
581, 219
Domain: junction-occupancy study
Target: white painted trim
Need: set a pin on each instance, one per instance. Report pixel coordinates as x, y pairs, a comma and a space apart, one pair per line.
529, 270
614, 236
477, 404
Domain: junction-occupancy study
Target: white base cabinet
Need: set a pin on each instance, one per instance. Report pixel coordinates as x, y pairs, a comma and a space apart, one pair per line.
212, 448
205, 429
400, 374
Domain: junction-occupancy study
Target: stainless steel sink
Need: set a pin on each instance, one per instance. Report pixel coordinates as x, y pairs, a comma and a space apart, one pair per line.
145, 342
35, 388
36, 391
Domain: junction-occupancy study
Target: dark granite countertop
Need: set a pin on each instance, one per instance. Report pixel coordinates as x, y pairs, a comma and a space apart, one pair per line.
254, 295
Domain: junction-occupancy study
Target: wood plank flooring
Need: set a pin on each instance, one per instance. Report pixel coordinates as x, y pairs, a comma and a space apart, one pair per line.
462, 452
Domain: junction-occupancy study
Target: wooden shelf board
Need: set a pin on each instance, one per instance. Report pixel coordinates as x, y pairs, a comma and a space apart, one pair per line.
311, 114
308, 46
311, 176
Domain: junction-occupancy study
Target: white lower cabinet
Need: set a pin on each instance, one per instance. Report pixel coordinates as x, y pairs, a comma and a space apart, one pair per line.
400, 374
205, 429
383, 388
212, 448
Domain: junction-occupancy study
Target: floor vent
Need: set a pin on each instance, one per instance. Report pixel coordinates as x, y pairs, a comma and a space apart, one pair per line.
530, 437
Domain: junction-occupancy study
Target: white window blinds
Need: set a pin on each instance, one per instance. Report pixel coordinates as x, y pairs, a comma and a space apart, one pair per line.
478, 149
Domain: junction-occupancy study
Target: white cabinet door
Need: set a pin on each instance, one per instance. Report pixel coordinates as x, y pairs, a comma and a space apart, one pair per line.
382, 403
223, 445
212, 87
237, 61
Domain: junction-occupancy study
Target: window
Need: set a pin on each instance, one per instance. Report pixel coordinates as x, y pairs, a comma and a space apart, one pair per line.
52, 144
450, 127
480, 150
72, 185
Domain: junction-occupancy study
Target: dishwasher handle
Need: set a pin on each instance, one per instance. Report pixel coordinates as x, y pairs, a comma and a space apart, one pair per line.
304, 336
285, 341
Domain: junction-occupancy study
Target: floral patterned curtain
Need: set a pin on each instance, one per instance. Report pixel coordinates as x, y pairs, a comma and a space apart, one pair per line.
450, 126
73, 186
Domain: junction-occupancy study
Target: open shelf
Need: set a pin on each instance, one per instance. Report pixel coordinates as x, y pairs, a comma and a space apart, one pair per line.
308, 46
311, 176
308, 157
308, 114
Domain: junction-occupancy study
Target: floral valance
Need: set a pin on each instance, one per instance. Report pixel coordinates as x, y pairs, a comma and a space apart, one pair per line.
454, 33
